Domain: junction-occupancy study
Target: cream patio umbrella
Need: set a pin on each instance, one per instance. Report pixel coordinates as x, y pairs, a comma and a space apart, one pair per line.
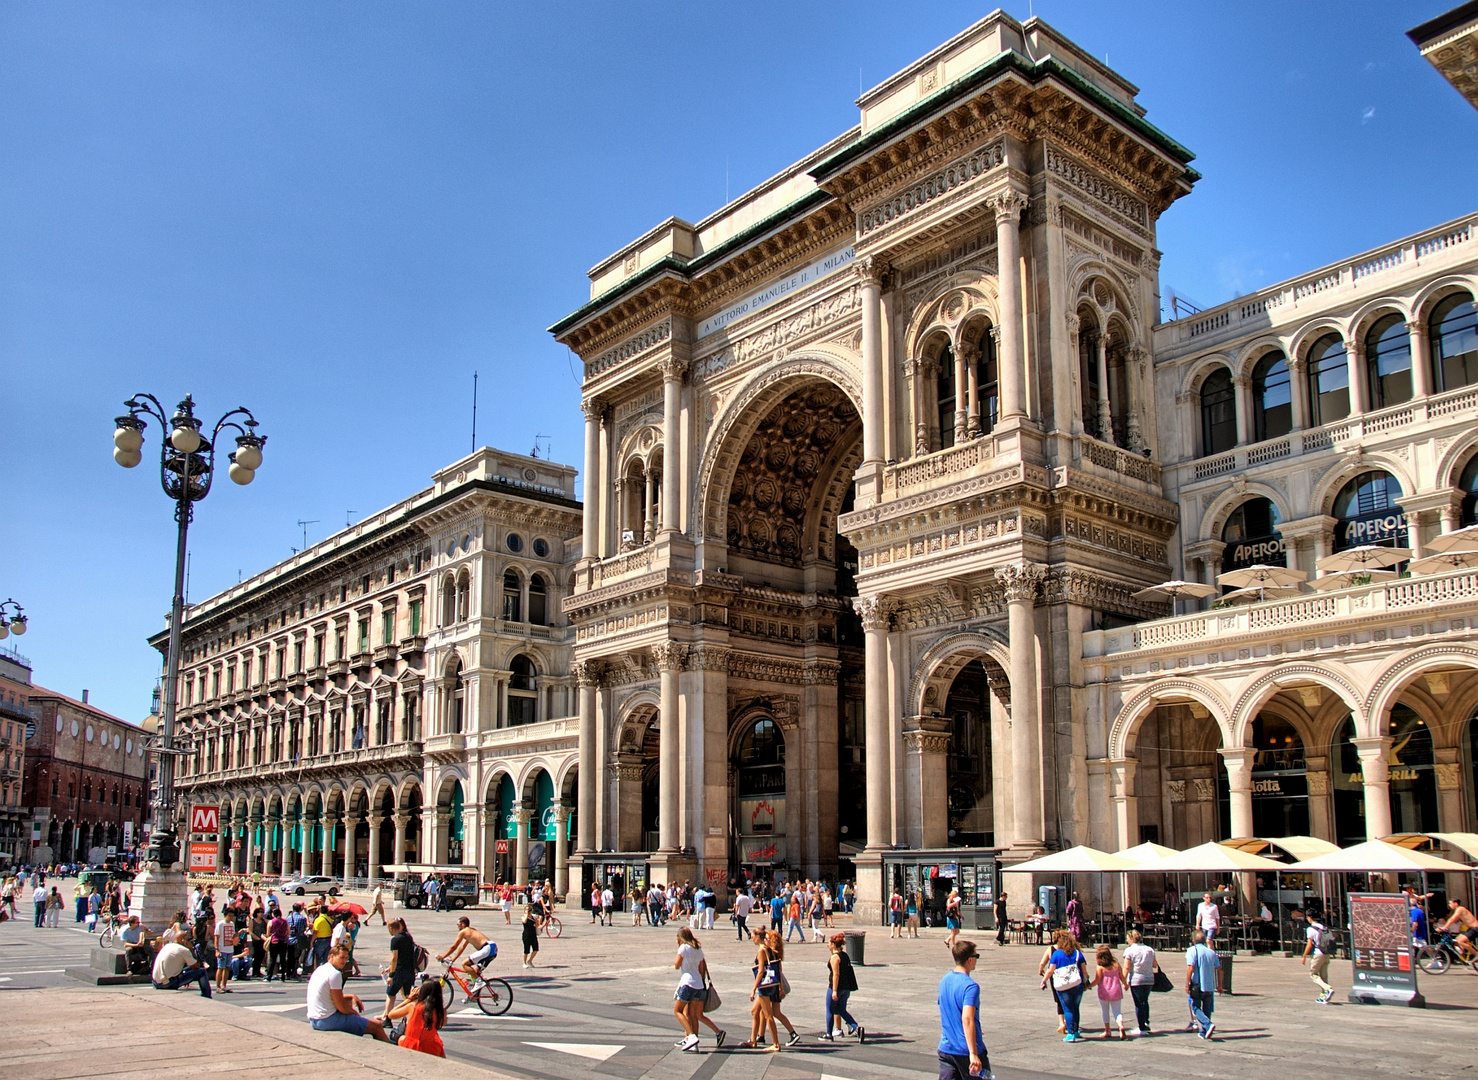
1377, 857
1347, 579
1445, 562
1074, 860
1147, 855
1363, 558
1457, 540
1253, 595
1174, 589
1262, 577
1217, 858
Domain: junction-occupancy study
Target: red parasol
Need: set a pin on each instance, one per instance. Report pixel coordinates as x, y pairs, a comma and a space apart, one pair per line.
345, 907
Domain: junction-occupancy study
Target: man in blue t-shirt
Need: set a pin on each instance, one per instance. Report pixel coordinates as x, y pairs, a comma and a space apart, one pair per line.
962, 1053
777, 911
1200, 982
1418, 922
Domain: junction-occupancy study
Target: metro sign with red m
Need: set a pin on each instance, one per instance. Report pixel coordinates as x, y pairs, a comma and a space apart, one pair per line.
205, 819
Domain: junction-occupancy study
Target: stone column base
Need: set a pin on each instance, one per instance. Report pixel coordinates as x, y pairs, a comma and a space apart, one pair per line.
672, 867
872, 894
157, 896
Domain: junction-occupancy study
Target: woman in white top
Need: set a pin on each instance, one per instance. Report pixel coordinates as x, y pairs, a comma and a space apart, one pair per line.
1139, 967
692, 991
225, 945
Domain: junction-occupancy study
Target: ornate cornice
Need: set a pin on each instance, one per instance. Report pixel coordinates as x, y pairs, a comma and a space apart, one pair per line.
1021, 580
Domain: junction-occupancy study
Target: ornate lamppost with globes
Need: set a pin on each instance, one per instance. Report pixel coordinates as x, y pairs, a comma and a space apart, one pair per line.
12, 619
186, 468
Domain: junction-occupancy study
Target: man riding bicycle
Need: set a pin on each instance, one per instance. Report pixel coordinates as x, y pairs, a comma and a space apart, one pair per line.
1461, 920
469, 937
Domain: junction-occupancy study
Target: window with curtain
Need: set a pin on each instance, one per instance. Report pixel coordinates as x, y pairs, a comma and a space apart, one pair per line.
1388, 362
1218, 413
512, 607
1272, 398
987, 382
1453, 332
947, 394
1329, 380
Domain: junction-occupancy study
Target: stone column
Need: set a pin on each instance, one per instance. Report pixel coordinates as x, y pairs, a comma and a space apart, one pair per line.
870, 273
648, 526
1010, 361
964, 396
1414, 534
914, 371
521, 818
669, 656
587, 677
1321, 823
1021, 581
372, 857
926, 778
305, 843
672, 443
1421, 362
628, 771
1105, 409
1242, 388
1298, 384
1238, 761
1450, 516
1375, 770
590, 537
330, 826
1359, 395
401, 822
877, 618
561, 850
1126, 805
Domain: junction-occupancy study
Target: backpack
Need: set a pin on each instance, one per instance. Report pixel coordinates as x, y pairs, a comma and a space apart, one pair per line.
1326, 941
846, 974
423, 958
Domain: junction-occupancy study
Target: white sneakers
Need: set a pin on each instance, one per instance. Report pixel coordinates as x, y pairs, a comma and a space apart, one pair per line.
689, 1043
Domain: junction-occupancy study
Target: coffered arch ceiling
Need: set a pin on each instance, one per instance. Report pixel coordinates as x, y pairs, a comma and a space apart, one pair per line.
792, 475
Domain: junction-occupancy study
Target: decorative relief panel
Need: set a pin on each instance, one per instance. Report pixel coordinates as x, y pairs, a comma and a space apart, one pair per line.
777, 335
638, 343
925, 191
626, 622
1096, 187
1106, 536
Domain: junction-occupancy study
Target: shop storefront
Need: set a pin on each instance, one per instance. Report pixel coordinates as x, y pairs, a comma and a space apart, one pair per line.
1251, 536
618, 872
932, 875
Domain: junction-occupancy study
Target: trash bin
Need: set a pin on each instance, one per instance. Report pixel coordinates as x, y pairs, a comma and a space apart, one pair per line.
1224, 973
856, 943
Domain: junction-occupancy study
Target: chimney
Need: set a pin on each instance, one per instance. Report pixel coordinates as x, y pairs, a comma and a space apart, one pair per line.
84, 697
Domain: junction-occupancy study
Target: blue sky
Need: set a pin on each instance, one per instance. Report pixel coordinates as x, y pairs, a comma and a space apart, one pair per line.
334, 213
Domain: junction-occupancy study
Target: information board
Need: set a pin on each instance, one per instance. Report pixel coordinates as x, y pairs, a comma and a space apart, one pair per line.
1380, 950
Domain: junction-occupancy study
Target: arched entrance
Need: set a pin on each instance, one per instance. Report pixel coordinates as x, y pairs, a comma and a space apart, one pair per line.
970, 774
759, 797
1412, 775
539, 797
1280, 788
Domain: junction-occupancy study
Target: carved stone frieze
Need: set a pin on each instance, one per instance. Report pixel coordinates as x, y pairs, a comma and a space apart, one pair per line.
931, 188
632, 347
792, 331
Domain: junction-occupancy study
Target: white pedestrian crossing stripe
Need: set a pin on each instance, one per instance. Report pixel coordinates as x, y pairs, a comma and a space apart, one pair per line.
277, 1008
593, 1051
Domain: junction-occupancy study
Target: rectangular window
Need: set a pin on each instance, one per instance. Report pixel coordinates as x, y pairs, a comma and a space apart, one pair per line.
318, 650
387, 620
364, 584
298, 655
363, 635
390, 574
341, 642
282, 662
415, 618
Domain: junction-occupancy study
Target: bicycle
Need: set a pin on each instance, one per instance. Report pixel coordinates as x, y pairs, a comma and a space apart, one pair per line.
553, 927
1437, 956
112, 929
493, 996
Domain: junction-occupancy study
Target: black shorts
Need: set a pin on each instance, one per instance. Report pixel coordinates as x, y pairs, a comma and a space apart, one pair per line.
400, 982
957, 1066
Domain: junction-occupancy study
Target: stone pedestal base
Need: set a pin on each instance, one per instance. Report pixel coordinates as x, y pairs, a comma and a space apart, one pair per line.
872, 893
157, 896
673, 867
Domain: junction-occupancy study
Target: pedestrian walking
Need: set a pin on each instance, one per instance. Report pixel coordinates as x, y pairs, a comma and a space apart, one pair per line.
1067, 971
841, 981
38, 898
595, 914
377, 904
827, 904
54, 905
962, 1052
953, 917
1075, 917
1208, 918
400, 974
777, 952
793, 915
1318, 944
743, 905
1201, 963
911, 910
1108, 980
692, 992
1139, 970
817, 917
895, 913
277, 951
225, 943
777, 911
998, 911
532, 924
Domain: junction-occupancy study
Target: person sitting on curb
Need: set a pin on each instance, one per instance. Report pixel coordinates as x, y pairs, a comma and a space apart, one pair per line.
138, 946
176, 966
330, 1009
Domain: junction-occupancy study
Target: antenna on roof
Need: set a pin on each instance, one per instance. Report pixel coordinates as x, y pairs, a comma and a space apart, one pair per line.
548, 447
304, 526
348, 515
474, 412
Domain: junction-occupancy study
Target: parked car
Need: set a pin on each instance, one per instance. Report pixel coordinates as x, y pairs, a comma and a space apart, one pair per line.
313, 883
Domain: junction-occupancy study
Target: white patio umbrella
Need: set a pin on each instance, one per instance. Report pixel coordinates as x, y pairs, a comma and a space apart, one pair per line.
1214, 858
1457, 540
1376, 857
1445, 562
1174, 589
1345, 579
1148, 855
1252, 595
1075, 860
1362, 558
1261, 575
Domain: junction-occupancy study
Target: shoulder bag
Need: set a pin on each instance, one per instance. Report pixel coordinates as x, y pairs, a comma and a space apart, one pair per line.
1162, 984
711, 1000
1069, 977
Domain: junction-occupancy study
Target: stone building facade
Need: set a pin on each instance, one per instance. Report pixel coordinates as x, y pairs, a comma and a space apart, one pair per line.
871, 449
86, 780
1334, 410
17, 724
399, 692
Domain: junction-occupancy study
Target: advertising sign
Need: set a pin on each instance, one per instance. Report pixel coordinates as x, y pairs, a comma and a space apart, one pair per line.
203, 858
1270, 550
205, 819
1389, 524
1380, 949
762, 817
502, 847
761, 849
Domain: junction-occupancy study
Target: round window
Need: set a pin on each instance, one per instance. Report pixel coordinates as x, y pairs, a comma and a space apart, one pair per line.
75, 728
541, 548
89, 733
451, 548
515, 542
116, 742
59, 725
128, 746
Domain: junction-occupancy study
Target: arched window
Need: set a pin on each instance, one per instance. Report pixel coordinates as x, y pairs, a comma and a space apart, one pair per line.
1251, 536
1468, 482
464, 596
1388, 362
947, 395
1453, 331
987, 382
1218, 413
538, 601
448, 601
512, 606
1272, 398
1088, 378
456, 698
1329, 381
1368, 510
760, 783
523, 699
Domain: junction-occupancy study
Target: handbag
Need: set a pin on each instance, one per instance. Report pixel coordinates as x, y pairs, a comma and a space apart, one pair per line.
1162, 984
711, 1000
1067, 978
771, 977
784, 986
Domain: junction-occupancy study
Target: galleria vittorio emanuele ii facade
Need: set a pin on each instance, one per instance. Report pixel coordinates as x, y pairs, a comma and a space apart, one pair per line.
877, 457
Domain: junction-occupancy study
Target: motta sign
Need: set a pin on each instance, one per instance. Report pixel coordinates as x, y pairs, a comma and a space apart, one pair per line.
205, 819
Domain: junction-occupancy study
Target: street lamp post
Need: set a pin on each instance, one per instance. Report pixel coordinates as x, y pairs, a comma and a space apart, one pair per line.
12, 619
186, 469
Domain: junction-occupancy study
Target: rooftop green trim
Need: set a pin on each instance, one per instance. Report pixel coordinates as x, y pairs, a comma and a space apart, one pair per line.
160, 639
806, 203
965, 84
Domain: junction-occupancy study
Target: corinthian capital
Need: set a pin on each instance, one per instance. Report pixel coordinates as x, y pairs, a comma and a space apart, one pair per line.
673, 368
871, 270
1008, 205
593, 407
875, 612
586, 672
1021, 580
670, 656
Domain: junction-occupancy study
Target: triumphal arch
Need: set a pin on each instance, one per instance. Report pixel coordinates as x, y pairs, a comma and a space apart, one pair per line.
867, 452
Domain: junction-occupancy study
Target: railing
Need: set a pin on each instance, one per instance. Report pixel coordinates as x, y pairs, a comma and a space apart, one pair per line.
1333, 610
1231, 318
1452, 403
1116, 459
938, 464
